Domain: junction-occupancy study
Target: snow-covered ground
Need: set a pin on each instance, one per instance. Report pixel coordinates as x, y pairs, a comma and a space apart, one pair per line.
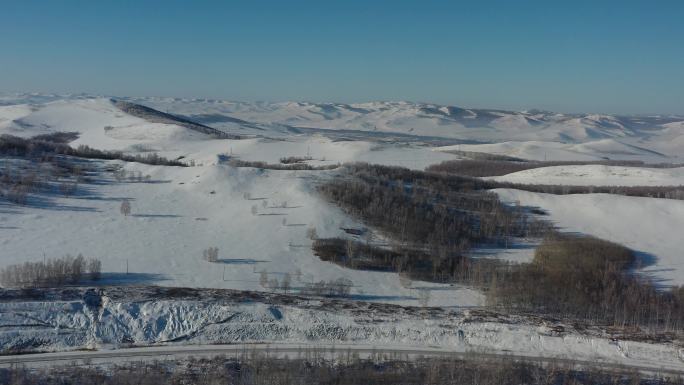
599, 149
185, 210
652, 227
138, 320
597, 175
258, 219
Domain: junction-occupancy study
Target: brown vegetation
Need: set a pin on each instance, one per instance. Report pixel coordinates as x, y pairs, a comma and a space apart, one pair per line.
295, 159
40, 148
497, 167
432, 219
67, 270
587, 278
311, 367
284, 166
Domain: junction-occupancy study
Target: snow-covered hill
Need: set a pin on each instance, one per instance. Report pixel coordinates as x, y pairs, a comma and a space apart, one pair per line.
597, 175
423, 119
182, 211
527, 134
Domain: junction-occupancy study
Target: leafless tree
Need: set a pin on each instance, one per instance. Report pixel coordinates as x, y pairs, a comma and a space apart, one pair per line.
94, 269
405, 280
424, 297
125, 207
263, 279
285, 284
210, 254
273, 284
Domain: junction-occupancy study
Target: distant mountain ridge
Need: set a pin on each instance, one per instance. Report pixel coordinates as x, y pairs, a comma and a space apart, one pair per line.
421, 119
399, 121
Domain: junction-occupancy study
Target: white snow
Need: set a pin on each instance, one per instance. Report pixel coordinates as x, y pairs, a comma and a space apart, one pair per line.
182, 211
559, 151
186, 210
159, 321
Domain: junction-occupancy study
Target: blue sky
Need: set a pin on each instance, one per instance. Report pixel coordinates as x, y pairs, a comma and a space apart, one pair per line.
570, 56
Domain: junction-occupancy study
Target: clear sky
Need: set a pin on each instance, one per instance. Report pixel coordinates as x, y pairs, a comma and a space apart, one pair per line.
570, 56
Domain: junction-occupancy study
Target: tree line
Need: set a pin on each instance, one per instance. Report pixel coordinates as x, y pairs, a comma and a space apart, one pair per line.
37, 147
19, 177
584, 278
429, 217
431, 220
486, 167
311, 366
287, 165
67, 270
482, 167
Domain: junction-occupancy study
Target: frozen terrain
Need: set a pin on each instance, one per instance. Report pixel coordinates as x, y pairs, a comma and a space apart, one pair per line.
258, 219
650, 226
129, 317
182, 211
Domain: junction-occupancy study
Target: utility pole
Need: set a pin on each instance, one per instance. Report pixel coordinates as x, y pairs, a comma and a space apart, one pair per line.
126, 266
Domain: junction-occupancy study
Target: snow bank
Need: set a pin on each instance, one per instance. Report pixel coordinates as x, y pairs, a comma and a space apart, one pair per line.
68, 325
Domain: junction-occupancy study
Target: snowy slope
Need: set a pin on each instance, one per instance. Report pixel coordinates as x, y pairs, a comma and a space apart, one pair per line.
99, 123
436, 120
183, 211
597, 175
186, 210
558, 151
652, 227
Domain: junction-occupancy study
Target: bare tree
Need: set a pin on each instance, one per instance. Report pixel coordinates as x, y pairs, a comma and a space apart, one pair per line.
125, 207
94, 268
263, 279
210, 254
285, 284
405, 280
255, 210
273, 284
424, 297
311, 233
